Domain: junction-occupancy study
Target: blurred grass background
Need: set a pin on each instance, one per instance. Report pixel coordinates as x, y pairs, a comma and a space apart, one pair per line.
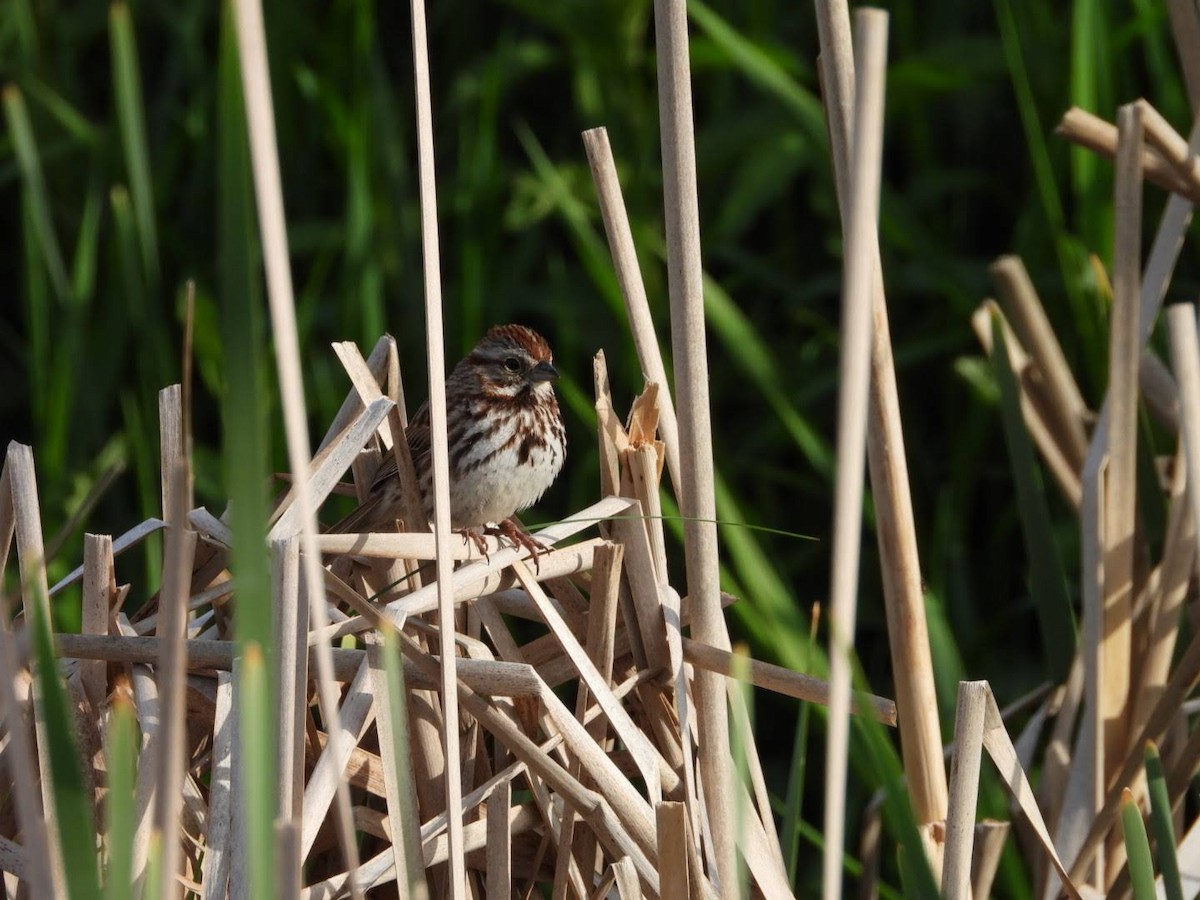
111, 164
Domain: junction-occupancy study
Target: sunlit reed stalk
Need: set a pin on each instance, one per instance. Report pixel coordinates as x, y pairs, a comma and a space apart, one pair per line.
857, 299
268, 190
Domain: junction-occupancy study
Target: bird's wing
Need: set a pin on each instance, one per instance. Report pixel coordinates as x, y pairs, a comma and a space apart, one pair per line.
417, 434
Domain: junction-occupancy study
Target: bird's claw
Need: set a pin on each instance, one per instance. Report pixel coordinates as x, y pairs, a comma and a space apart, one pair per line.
473, 536
523, 539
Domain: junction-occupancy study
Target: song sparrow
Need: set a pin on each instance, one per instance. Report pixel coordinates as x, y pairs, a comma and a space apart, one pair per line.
507, 442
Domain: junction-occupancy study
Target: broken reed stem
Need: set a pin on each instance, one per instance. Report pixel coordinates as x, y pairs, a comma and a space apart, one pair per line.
264, 153
291, 665
1024, 310
1121, 482
439, 454
1171, 146
969, 720
32, 569
782, 681
37, 846
171, 669
1087, 130
908, 637
685, 278
633, 290
859, 274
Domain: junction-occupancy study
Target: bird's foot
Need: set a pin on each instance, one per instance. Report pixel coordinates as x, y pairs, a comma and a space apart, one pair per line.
475, 536
512, 530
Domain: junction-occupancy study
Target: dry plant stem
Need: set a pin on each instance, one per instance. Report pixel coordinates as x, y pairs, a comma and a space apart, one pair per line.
291, 662
671, 819
912, 665
170, 670
780, 680
1185, 359
130, 538
859, 273
218, 853
620, 816
27, 515
99, 589
401, 793
633, 290
1028, 317
1175, 571
499, 842
260, 121
437, 433
1121, 482
1086, 130
1170, 145
990, 836
1044, 435
1182, 682
1168, 240
964, 789
353, 405
685, 280
38, 867
1185, 29
644, 753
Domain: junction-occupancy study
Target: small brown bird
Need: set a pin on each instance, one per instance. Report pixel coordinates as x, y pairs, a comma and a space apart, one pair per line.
506, 440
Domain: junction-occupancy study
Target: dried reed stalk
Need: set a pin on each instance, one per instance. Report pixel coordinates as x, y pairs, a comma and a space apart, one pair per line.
908, 636
40, 848
969, 721
685, 279
1024, 310
439, 455
1121, 479
633, 290
1087, 130
264, 153
857, 302
179, 553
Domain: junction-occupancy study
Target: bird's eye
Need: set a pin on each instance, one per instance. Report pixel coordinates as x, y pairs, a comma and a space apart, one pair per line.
512, 364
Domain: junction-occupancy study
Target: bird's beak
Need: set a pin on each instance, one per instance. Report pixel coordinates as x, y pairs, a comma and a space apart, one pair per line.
543, 371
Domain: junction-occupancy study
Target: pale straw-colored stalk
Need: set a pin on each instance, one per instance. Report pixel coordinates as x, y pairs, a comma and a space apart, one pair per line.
969, 719
685, 280
908, 638
260, 120
1120, 484
857, 303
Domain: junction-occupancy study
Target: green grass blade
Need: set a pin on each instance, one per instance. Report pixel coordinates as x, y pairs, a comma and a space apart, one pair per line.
246, 459
898, 813
72, 806
1047, 577
257, 742
1137, 848
119, 806
1164, 828
127, 88
83, 266
20, 131
1072, 261
760, 68
739, 681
